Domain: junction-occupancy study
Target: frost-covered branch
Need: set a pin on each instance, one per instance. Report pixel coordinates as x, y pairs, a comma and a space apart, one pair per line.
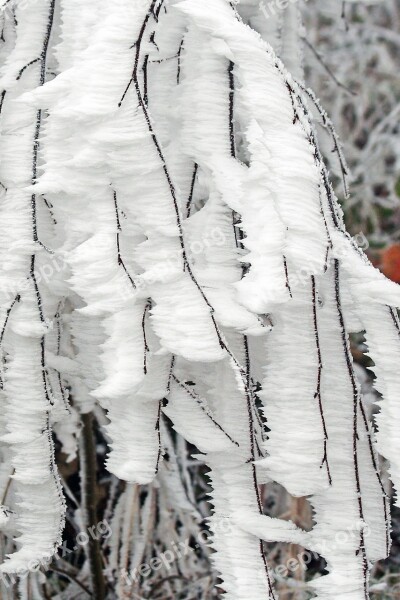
173, 168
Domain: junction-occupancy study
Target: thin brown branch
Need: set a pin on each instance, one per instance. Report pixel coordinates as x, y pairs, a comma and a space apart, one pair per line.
88, 464
325, 460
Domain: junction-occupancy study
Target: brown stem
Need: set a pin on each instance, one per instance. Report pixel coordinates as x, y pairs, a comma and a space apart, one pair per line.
88, 467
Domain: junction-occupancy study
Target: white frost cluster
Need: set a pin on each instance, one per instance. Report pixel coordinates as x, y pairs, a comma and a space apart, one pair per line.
170, 244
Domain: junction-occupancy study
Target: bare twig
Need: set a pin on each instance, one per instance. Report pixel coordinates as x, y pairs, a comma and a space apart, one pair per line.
88, 465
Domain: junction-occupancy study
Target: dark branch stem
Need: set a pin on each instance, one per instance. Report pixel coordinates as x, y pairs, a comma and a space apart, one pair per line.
205, 409
21, 71
287, 277
327, 68
325, 460
3, 94
3, 330
327, 123
121, 262
356, 401
190, 198
145, 344
385, 498
89, 501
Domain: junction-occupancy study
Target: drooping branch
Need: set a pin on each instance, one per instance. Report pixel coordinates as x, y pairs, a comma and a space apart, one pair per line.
318, 397
356, 401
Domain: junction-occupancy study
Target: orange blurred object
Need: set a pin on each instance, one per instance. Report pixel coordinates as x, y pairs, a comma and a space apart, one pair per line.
390, 262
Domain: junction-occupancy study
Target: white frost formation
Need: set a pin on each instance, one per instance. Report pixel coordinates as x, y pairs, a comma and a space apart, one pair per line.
170, 238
